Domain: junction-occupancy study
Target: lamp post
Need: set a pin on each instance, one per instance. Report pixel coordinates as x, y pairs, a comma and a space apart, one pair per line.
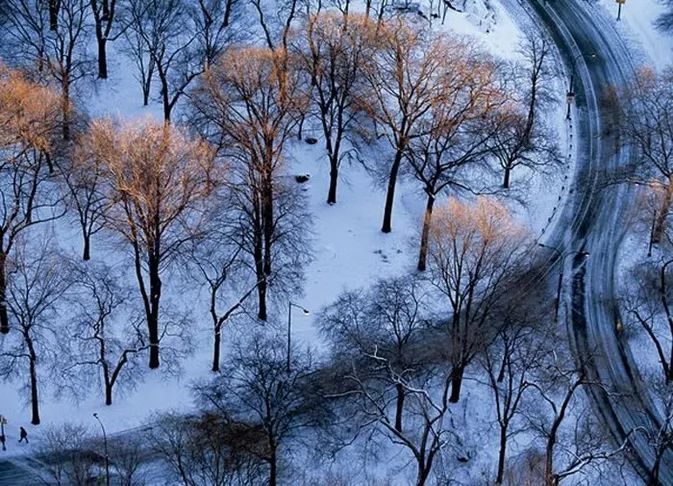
619, 9
289, 328
559, 286
107, 456
570, 95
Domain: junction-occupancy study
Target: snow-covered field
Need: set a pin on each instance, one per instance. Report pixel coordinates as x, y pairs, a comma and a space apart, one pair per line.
349, 249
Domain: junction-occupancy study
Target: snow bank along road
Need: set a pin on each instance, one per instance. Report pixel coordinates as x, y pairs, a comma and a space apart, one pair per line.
595, 222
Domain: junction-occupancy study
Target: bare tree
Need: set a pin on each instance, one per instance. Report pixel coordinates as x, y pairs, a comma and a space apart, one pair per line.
217, 24
84, 178
333, 50
649, 306
38, 280
249, 104
134, 47
208, 449
161, 181
60, 55
179, 41
97, 347
404, 81
524, 137
256, 389
66, 456
474, 250
453, 134
388, 318
573, 440
658, 432
275, 19
427, 406
105, 18
218, 264
648, 104
29, 119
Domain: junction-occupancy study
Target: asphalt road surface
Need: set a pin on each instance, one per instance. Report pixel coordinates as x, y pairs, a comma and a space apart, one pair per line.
594, 220
12, 474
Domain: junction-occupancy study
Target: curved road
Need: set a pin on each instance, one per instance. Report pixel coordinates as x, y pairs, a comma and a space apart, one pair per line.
594, 220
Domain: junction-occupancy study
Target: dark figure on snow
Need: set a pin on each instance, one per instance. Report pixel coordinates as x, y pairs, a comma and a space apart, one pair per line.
23, 434
2, 442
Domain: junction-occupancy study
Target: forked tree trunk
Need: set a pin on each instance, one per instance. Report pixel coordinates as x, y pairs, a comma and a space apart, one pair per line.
425, 233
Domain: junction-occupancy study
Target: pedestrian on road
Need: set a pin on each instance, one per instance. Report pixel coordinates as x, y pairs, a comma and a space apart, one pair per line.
23, 434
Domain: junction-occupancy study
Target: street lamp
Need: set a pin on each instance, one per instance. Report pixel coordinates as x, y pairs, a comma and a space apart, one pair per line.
562, 257
289, 328
619, 9
570, 95
107, 456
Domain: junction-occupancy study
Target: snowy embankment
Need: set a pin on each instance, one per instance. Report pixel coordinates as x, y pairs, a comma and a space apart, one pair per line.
349, 250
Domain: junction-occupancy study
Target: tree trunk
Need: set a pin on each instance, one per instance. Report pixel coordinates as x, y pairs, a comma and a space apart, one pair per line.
505, 182
147, 88
102, 57
422, 475
333, 181
399, 411
654, 476
267, 219
390, 194
502, 455
66, 108
273, 468
54, 6
34, 399
456, 383
216, 351
425, 233
660, 226
549, 479
153, 317
261, 276
4, 318
108, 394
86, 253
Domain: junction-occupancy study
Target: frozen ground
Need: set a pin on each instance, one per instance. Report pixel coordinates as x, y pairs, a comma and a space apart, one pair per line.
349, 249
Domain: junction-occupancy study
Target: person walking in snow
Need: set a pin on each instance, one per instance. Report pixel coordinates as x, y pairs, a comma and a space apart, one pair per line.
23, 434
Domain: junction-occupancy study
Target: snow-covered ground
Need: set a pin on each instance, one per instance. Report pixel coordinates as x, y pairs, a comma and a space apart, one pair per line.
651, 46
349, 249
